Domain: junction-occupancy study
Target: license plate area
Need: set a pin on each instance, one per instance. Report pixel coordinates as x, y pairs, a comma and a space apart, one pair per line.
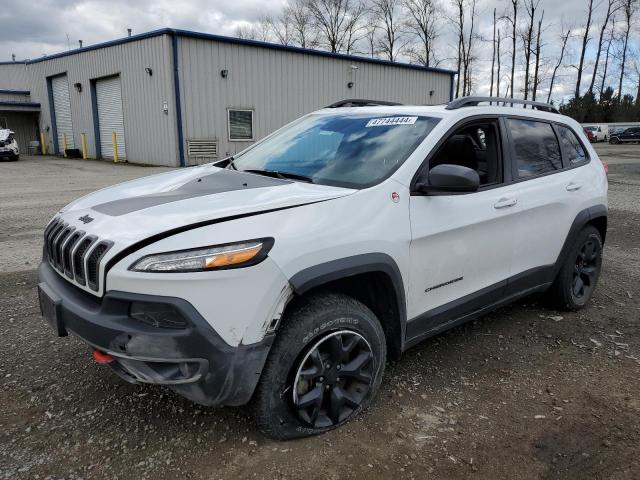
50, 309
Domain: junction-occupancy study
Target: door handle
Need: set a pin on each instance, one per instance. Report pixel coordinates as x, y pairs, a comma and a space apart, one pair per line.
505, 203
572, 187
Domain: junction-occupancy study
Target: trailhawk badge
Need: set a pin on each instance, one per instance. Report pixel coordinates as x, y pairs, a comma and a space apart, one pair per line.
86, 219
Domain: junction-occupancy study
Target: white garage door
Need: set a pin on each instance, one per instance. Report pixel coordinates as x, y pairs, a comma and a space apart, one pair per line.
62, 109
110, 117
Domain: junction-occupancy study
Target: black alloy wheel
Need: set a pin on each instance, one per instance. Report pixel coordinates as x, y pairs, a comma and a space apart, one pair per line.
585, 271
333, 378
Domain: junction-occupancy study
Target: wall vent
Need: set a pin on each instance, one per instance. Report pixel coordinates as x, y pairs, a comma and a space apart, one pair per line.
202, 148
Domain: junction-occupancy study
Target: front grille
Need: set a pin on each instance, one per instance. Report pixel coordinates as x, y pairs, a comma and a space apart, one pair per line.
74, 254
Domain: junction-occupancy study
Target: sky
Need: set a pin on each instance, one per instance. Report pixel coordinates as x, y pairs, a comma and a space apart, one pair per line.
33, 28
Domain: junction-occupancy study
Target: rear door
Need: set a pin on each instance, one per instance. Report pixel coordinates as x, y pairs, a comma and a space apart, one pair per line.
547, 195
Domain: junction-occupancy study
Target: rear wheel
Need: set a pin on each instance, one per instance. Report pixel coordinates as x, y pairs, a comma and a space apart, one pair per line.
579, 275
324, 368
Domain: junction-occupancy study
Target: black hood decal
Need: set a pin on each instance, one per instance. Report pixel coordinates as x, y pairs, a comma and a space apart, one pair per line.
217, 182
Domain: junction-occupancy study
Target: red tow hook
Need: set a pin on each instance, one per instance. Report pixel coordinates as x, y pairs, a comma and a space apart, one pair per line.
102, 358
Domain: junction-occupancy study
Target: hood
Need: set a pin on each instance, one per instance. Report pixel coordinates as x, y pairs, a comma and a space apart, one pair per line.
138, 209
4, 134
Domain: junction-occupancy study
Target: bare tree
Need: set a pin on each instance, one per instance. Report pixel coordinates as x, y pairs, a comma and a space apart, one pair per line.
564, 37
389, 18
628, 8
260, 30
422, 22
465, 44
493, 53
527, 39
371, 37
301, 23
468, 54
612, 7
514, 24
606, 58
336, 21
282, 27
498, 66
536, 71
585, 41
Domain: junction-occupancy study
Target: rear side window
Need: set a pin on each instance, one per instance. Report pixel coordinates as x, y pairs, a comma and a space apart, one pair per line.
535, 147
572, 147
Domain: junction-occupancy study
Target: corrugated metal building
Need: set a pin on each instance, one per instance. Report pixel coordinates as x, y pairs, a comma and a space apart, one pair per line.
175, 97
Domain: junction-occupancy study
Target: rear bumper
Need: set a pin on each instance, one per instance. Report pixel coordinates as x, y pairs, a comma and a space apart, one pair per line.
194, 361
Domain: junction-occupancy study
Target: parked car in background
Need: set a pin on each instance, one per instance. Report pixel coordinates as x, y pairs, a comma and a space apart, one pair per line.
590, 135
631, 134
8, 145
596, 133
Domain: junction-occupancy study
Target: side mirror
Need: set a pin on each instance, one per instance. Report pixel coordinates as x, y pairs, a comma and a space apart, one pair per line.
448, 179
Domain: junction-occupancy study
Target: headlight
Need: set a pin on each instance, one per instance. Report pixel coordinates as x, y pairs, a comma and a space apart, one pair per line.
220, 257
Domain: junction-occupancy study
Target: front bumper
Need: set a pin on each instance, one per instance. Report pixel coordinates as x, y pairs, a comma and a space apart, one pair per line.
193, 361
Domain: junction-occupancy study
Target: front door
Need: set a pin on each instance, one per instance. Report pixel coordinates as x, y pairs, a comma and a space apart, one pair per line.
462, 244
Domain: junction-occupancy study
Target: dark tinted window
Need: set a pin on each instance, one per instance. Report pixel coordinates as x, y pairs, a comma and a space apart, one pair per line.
535, 146
573, 149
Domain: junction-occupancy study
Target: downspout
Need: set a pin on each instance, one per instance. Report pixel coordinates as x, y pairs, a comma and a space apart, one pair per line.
451, 87
176, 86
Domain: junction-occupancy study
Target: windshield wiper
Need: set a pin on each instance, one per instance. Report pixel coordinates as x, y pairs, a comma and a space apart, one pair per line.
280, 174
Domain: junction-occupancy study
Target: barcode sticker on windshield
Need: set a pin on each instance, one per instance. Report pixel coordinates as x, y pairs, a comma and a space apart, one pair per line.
383, 122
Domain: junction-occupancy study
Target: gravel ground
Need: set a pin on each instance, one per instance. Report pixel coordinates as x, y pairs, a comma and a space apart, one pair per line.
525, 392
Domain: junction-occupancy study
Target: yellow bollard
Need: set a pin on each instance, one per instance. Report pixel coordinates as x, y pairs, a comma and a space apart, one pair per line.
84, 146
64, 145
115, 147
43, 145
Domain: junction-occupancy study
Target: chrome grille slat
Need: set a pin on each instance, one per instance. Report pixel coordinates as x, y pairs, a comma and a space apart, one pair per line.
67, 259
74, 254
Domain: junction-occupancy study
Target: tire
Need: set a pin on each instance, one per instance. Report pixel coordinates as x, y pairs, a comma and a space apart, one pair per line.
614, 140
578, 277
304, 389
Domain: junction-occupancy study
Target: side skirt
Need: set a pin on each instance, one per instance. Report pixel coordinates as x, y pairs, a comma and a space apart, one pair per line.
477, 304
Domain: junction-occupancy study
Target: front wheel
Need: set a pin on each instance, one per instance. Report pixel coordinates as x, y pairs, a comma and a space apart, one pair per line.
577, 279
324, 368
614, 140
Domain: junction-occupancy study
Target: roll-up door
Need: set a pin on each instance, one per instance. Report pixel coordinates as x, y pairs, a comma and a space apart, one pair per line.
110, 117
62, 109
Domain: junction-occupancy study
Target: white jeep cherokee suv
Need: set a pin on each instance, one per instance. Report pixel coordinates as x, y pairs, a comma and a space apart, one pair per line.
8, 145
287, 275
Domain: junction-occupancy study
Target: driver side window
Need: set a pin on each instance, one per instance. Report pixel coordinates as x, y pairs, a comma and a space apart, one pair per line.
475, 146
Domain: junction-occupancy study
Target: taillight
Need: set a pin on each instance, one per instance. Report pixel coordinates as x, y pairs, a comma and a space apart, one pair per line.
605, 165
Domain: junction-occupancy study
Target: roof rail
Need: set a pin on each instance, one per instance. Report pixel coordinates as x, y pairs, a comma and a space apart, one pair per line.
360, 102
474, 101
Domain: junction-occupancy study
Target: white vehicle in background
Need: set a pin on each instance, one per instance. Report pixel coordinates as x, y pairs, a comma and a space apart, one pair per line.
598, 132
286, 276
8, 145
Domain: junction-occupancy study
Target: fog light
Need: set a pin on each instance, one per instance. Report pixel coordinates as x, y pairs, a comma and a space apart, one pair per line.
157, 315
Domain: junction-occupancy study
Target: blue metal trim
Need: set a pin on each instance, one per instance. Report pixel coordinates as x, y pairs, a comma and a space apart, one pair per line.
13, 103
17, 62
176, 85
96, 121
14, 92
52, 114
240, 41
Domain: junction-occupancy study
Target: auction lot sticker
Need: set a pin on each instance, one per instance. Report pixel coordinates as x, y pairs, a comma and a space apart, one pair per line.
383, 122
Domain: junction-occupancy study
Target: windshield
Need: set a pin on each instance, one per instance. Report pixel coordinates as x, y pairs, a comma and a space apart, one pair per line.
355, 151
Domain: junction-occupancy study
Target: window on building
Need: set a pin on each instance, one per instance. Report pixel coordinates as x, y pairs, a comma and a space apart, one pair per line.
3, 123
240, 125
573, 149
535, 147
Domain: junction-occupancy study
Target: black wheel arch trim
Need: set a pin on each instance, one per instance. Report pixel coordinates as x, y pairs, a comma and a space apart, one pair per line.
583, 218
323, 273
